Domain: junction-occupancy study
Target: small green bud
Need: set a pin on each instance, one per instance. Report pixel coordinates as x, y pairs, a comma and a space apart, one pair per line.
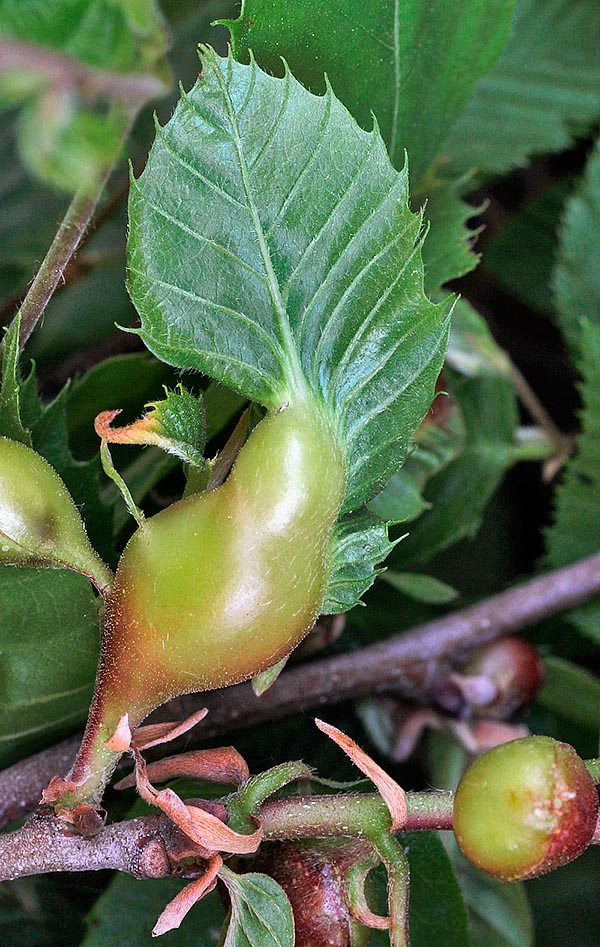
525, 808
39, 522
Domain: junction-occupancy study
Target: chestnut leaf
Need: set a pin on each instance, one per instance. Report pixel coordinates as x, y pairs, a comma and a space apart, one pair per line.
412, 63
272, 247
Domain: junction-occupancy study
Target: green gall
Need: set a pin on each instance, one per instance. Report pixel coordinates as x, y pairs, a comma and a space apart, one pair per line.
525, 808
39, 522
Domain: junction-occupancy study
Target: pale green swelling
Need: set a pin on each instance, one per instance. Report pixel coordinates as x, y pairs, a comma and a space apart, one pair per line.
500, 817
223, 584
39, 522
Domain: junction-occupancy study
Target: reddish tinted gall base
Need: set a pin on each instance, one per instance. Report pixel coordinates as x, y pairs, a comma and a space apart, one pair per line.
525, 808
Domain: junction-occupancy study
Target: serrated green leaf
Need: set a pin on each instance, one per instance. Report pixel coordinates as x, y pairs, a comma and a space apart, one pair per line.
413, 64
180, 422
575, 530
572, 692
360, 544
447, 251
288, 273
261, 915
11, 424
423, 588
128, 909
577, 274
543, 90
48, 660
459, 494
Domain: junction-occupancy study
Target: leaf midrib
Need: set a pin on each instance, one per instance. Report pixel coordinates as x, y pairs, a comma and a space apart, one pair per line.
294, 375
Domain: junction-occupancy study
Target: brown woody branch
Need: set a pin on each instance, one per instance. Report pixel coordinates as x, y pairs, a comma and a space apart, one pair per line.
150, 846
409, 665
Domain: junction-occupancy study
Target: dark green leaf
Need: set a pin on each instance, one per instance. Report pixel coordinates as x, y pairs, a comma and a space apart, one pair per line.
413, 63
521, 256
37, 912
575, 531
293, 273
543, 89
577, 275
128, 909
437, 912
360, 544
499, 914
261, 915
410, 64
460, 493
571, 692
423, 588
48, 653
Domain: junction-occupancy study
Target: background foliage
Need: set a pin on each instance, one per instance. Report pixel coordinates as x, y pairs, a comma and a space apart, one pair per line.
497, 108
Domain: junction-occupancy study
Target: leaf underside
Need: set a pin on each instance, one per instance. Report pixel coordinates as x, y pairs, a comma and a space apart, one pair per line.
271, 246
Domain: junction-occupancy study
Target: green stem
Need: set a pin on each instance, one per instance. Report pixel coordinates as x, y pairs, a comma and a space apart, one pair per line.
66, 241
362, 815
394, 858
538, 412
533, 443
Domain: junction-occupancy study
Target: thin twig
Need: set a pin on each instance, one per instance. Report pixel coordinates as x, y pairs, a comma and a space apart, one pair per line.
563, 444
143, 846
68, 238
410, 665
